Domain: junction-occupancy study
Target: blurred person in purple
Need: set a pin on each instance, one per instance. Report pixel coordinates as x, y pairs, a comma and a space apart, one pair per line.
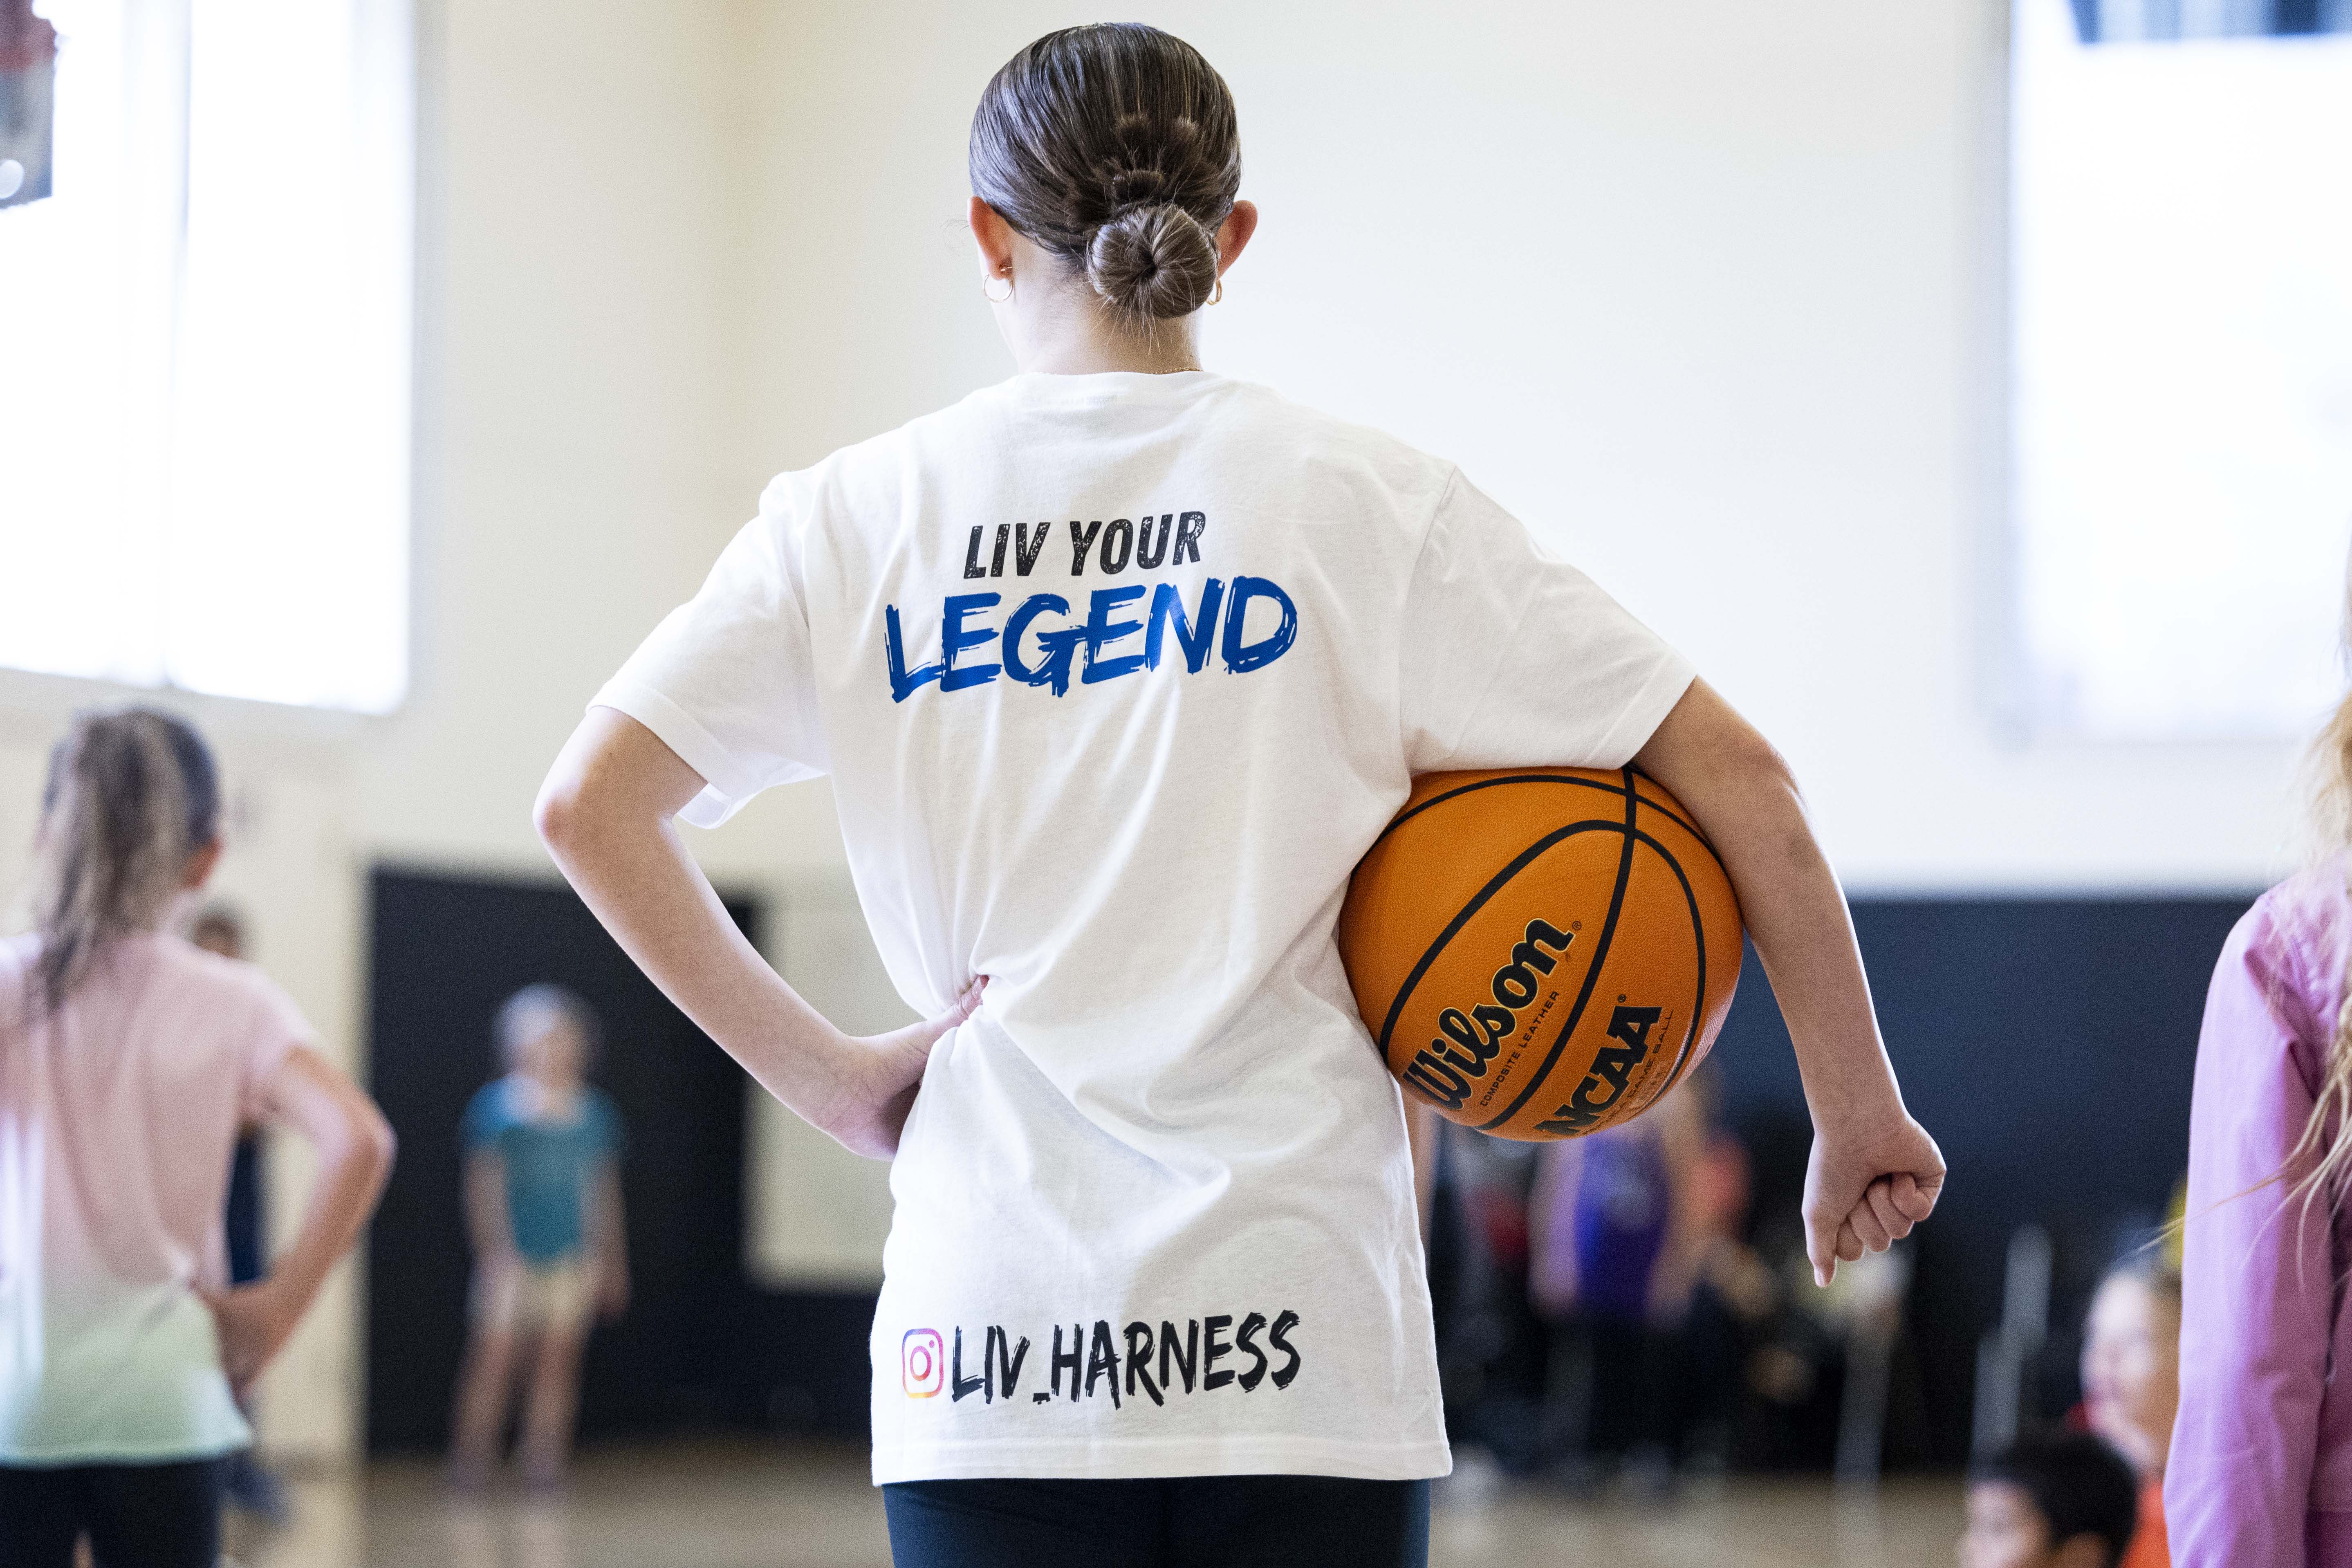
1615, 1251
2261, 1472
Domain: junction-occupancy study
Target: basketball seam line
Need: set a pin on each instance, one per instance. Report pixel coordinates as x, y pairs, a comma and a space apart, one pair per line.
1437, 800
1478, 901
1593, 972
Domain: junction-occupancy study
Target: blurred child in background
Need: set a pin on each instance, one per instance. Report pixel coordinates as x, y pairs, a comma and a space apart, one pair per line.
2055, 1499
543, 1213
1734, 1291
249, 1484
1492, 1347
2131, 1386
2260, 1469
1615, 1247
129, 1062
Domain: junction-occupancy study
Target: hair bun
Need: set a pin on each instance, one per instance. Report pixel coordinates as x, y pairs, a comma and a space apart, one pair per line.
1152, 262
1113, 148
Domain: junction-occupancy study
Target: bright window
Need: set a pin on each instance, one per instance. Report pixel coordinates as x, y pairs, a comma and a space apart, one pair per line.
2182, 352
205, 394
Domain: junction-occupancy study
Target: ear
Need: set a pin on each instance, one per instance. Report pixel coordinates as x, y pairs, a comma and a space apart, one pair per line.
1234, 233
200, 866
994, 237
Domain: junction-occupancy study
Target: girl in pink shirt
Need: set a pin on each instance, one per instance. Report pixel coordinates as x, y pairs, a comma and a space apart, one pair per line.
2261, 1472
129, 1058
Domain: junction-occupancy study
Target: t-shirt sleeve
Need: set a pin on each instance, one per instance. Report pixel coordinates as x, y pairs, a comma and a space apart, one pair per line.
1511, 658
605, 1125
727, 679
479, 1128
277, 1028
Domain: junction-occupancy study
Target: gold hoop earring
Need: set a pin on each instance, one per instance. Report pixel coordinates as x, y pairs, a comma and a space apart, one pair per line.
1220, 294
997, 298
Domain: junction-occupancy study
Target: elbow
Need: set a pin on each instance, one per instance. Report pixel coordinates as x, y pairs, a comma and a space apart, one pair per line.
1753, 767
375, 1144
1771, 812
1762, 762
558, 811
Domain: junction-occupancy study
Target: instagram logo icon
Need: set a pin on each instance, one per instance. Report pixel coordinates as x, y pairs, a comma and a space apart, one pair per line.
920, 1365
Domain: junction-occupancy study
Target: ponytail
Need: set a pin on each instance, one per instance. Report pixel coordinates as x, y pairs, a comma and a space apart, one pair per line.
131, 795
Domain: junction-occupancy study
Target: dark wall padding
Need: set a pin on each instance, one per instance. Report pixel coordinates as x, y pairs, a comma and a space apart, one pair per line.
447, 951
2047, 1043
2050, 1045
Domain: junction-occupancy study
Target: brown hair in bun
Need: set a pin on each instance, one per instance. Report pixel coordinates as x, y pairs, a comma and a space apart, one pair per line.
1115, 147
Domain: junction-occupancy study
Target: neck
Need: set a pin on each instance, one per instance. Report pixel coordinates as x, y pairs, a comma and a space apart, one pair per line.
1062, 334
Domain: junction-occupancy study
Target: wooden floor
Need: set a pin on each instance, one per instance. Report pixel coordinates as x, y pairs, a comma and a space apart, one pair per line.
809, 1507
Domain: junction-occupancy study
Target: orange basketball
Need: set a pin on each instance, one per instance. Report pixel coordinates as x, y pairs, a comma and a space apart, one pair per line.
1542, 952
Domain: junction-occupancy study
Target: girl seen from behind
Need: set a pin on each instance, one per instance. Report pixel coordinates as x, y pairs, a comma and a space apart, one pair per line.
1118, 667
129, 1060
2261, 1469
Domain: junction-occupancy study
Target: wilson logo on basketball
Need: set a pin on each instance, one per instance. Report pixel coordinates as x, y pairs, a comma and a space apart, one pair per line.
1516, 866
1445, 1069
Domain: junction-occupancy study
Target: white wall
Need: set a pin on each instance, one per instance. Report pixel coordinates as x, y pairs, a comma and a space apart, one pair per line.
1704, 291
579, 371
579, 461
1708, 293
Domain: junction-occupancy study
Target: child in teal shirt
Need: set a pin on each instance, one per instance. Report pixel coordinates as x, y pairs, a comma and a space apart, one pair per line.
543, 1213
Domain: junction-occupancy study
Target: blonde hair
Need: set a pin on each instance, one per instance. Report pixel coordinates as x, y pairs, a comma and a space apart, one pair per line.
133, 794
2156, 1276
2327, 776
533, 1008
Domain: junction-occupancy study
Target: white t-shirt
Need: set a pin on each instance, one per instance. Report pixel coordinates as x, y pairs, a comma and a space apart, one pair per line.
1154, 1204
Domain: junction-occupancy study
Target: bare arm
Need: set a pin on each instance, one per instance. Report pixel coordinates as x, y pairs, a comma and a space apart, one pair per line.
2260, 1278
605, 814
1874, 1172
1423, 1132
355, 1147
611, 1241
485, 1207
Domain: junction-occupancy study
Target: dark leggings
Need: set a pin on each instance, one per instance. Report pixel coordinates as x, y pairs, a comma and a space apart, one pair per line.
138, 1516
1213, 1522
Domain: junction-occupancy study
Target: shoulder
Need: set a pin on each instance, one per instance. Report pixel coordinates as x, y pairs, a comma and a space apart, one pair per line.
1332, 449
234, 982
488, 1112
2315, 905
2304, 919
852, 473
2297, 941
2282, 974
1253, 422
603, 1117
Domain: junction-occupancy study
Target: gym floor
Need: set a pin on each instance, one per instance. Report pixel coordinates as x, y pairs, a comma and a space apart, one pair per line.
737, 1506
